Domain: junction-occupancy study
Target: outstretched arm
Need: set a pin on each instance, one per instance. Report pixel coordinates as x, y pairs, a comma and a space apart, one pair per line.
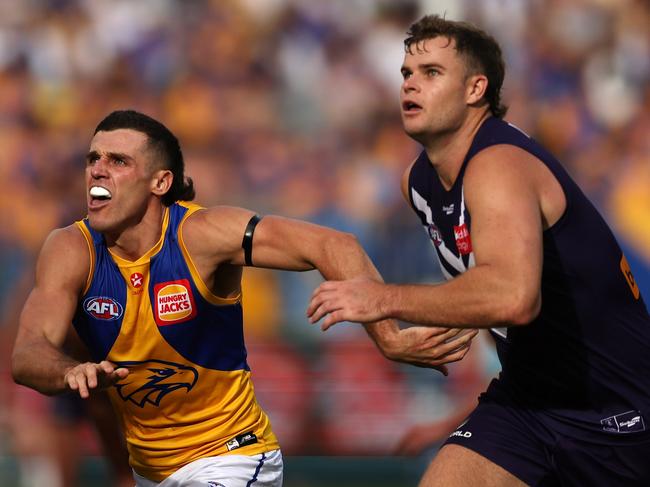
38, 360
511, 197
214, 237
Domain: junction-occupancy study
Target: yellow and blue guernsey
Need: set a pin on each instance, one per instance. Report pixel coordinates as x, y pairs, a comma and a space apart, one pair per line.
189, 393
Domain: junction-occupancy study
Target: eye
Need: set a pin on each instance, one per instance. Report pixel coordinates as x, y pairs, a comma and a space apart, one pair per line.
162, 372
432, 72
119, 162
406, 74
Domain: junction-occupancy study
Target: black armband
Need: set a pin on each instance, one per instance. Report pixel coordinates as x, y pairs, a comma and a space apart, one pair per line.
247, 242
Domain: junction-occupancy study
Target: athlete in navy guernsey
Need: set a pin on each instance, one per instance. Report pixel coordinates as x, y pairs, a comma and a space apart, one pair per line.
527, 256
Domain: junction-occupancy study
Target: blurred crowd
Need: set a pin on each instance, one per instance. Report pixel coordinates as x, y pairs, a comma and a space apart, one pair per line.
291, 107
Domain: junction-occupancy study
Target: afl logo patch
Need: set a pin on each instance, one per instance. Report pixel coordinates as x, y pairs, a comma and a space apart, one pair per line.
174, 302
434, 234
103, 308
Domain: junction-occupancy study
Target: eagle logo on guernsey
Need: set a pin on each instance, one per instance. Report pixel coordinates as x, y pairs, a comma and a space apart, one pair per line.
174, 302
150, 381
103, 308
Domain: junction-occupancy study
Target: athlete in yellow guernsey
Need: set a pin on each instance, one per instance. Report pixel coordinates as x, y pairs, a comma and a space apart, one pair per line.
190, 386
151, 285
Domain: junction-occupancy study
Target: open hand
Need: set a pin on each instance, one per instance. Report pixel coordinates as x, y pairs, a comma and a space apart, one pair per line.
430, 347
358, 300
87, 376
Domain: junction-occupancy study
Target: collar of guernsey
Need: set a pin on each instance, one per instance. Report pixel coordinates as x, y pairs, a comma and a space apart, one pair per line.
189, 389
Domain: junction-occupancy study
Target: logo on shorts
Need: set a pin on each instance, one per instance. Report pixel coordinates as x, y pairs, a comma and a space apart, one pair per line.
464, 434
174, 302
460, 432
103, 308
628, 422
215, 484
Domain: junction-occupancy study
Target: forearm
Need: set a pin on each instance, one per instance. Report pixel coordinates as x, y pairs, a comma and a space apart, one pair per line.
476, 299
344, 258
41, 366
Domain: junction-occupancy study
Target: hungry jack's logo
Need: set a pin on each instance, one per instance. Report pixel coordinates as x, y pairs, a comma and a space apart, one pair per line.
173, 302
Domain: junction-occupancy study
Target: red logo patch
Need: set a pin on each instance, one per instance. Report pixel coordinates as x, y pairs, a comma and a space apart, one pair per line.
136, 280
463, 241
173, 302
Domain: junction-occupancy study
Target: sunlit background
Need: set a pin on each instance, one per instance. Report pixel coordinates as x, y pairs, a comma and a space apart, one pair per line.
291, 107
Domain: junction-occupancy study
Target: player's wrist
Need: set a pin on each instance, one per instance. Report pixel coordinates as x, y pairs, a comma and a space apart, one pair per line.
389, 300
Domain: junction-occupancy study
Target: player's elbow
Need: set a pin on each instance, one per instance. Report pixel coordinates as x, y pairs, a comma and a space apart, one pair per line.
18, 372
345, 239
521, 309
338, 243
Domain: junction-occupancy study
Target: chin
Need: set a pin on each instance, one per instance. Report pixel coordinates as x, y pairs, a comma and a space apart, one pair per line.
416, 133
98, 224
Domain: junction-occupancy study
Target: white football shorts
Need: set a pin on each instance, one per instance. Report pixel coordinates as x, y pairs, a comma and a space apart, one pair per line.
262, 470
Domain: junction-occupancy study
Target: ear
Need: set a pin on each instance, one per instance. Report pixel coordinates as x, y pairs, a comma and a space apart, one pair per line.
161, 182
476, 87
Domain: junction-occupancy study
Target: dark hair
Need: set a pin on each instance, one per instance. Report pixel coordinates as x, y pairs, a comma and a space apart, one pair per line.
479, 48
161, 140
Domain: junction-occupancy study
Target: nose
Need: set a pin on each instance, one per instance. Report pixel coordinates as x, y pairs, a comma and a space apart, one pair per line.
98, 169
410, 85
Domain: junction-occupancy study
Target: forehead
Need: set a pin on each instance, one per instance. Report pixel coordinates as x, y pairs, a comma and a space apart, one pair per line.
439, 50
125, 141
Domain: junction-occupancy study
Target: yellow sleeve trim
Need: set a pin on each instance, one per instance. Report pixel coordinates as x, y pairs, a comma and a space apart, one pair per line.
91, 250
200, 285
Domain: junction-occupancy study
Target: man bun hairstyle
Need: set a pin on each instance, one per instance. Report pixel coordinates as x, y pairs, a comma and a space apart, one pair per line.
481, 51
163, 142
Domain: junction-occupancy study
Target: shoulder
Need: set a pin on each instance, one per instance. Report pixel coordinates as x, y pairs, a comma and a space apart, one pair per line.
500, 162
502, 173
221, 218
215, 230
65, 240
65, 256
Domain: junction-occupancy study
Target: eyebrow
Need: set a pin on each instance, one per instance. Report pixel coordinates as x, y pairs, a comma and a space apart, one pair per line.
112, 155
424, 67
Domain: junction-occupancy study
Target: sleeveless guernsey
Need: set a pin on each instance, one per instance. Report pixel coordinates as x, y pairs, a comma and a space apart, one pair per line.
189, 393
585, 360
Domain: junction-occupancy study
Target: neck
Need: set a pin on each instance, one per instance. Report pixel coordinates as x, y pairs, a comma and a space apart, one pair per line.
139, 236
448, 150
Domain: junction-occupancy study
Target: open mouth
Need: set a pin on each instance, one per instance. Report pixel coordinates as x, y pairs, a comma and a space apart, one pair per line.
409, 106
99, 194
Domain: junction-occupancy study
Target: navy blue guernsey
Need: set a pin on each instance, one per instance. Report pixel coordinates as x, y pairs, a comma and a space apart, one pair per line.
585, 360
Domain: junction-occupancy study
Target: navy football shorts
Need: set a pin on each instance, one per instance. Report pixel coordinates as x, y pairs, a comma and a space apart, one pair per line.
516, 439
